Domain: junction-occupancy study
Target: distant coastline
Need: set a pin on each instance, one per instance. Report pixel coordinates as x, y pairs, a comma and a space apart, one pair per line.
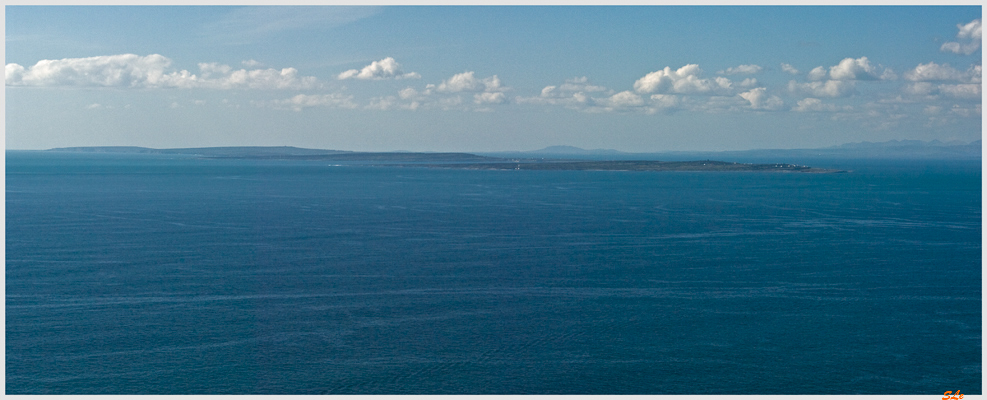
451, 160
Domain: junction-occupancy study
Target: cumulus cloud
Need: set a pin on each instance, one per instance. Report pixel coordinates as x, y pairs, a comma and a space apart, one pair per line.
301, 101
817, 73
575, 93
830, 88
449, 95
962, 91
665, 101
579, 94
816, 105
858, 69
572, 86
966, 112
285, 78
628, 101
723, 83
760, 100
959, 91
684, 80
623, 99
489, 98
152, 71
124, 70
969, 36
383, 69
746, 69
467, 82
391, 102
789, 69
852, 69
748, 82
936, 72
408, 93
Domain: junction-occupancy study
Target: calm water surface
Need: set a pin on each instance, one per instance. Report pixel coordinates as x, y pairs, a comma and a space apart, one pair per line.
148, 274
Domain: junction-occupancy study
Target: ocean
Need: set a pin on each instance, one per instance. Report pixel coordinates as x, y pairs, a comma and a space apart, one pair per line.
151, 274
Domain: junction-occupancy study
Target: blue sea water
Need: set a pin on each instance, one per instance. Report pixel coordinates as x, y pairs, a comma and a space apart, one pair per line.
169, 275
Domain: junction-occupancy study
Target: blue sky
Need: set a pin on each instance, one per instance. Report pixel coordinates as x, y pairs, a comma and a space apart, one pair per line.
467, 78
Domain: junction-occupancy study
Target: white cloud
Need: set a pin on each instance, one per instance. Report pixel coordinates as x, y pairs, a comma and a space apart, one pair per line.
383, 69
628, 101
933, 72
823, 89
153, 71
789, 69
858, 69
489, 98
624, 99
760, 100
408, 93
447, 95
580, 85
960, 91
391, 102
665, 101
970, 35
936, 72
286, 78
574, 94
816, 105
920, 89
746, 69
966, 112
578, 94
723, 83
301, 101
251, 63
124, 70
572, 88
683, 81
851, 69
963, 91
466, 82
817, 73
749, 82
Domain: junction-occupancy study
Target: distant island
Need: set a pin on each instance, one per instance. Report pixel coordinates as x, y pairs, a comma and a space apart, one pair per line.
892, 149
449, 160
635, 165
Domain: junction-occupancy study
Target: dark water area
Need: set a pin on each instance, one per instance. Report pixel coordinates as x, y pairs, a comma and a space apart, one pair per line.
159, 274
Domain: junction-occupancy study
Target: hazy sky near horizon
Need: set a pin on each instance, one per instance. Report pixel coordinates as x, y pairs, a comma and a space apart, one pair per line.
472, 78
